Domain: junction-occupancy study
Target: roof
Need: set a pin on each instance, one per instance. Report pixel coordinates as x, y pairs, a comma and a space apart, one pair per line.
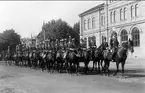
94, 8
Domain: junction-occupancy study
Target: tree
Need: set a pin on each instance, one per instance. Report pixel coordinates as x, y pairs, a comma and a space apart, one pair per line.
59, 29
9, 38
76, 32
56, 29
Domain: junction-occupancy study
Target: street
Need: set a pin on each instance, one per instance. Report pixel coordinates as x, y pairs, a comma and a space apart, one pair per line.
15, 79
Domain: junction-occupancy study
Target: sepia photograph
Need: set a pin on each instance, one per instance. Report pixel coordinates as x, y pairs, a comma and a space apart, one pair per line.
76, 46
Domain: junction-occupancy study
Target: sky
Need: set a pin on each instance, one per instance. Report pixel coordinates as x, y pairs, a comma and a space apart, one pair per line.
27, 17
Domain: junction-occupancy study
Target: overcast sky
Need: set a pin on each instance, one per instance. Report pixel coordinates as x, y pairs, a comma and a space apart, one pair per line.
27, 17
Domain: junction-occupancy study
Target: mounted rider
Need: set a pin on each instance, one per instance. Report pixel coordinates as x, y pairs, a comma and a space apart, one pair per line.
114, 45
62, 44
56, 44
82, 44
92, 44
52, 45
71, 43
104, 44
65, 44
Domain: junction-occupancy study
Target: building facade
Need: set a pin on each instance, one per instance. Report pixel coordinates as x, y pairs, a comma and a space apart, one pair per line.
125, 19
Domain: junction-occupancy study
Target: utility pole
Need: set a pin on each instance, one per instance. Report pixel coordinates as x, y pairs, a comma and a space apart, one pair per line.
107, 20
100, 23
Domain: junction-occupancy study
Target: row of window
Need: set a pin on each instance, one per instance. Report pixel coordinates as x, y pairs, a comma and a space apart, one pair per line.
123, 13
87, 23
135, 36
124, 37
91, 22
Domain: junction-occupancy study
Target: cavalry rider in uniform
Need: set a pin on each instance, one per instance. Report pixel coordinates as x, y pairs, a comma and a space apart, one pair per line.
56, 45
48, 45
93, 45
82, 44
52, 45
71, 43
114, 45
65, 44
104, 44
61, 44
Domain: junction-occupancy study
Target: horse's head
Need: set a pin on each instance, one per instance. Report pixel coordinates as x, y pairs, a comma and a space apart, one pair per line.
128, 45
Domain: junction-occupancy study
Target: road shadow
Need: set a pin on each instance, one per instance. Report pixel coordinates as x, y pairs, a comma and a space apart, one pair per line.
135, 73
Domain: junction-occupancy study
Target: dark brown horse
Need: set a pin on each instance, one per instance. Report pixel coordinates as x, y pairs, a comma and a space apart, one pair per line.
59, 60
50, 60
84, 55
97, 58
120, 56
72, 61
106, 57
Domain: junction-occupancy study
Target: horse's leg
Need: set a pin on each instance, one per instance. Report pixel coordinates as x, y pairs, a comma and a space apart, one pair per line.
122, 64
86, 67
93, 65
102, 64
117, 70
77, 67
104, 67
99, 66
108, 64
70, 68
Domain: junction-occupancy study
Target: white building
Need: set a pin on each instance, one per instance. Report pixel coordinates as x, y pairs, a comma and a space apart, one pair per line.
126, 19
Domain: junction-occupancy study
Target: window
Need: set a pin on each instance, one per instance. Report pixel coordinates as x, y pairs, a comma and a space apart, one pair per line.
125, 13
121, 13
89, 24
93, 23
132, 9
136, 10
110, 17
135, 36
114, 16
85, 24
124, 35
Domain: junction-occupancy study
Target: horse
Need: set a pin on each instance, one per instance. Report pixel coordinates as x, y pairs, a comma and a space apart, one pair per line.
97, 58
106, 57
119, 57
42, 60
71, 59
50, 60
59, 60
34, 60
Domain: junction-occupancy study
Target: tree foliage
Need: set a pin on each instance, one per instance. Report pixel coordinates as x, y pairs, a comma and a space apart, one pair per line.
9, 38
76, 32
59, 29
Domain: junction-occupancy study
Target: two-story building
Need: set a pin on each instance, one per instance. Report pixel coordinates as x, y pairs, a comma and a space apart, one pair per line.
125, 19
